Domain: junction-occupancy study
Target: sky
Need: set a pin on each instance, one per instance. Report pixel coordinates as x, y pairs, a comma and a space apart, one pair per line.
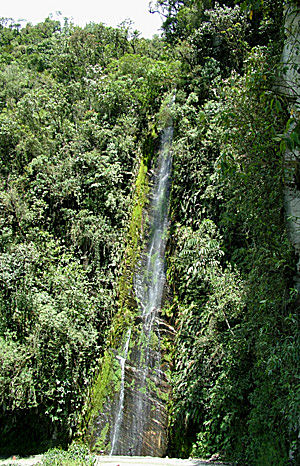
110, 12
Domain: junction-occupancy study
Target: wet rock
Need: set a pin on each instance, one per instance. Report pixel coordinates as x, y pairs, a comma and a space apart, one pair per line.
166, 329
133, 419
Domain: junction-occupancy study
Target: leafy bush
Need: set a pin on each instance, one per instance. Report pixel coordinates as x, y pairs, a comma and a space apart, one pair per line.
230, 269
76, 455
76, 111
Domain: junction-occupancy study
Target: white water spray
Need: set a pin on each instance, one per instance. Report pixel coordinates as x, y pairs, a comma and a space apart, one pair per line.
144, 410
118, 422
149, 284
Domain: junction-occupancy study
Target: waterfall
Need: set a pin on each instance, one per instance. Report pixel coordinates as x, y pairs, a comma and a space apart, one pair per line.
117, 425
150, 280
140, 417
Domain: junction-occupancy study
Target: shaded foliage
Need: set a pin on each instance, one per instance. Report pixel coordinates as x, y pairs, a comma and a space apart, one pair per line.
230, 263
78, 108
75, 109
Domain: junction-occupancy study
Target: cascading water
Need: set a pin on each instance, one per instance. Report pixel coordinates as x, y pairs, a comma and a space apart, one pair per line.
117, 425
140, 418
150, 282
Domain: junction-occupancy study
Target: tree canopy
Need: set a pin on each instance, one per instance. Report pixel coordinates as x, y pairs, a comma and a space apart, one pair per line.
79, 112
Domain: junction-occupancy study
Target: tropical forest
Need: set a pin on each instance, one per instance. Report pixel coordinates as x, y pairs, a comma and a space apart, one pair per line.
150, 236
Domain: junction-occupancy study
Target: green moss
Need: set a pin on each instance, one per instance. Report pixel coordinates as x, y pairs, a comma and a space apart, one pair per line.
154, 341
152, 386
107, 383
102, 385
101, 443
135, 236
127, 304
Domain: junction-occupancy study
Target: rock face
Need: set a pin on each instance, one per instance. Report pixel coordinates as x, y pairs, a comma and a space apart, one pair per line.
130, 415
145, 421
136, 424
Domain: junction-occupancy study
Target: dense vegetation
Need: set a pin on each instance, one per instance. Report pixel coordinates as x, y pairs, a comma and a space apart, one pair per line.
78, 109
230, 264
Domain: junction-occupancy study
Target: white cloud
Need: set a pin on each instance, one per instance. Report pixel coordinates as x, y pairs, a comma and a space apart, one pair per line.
110, 12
